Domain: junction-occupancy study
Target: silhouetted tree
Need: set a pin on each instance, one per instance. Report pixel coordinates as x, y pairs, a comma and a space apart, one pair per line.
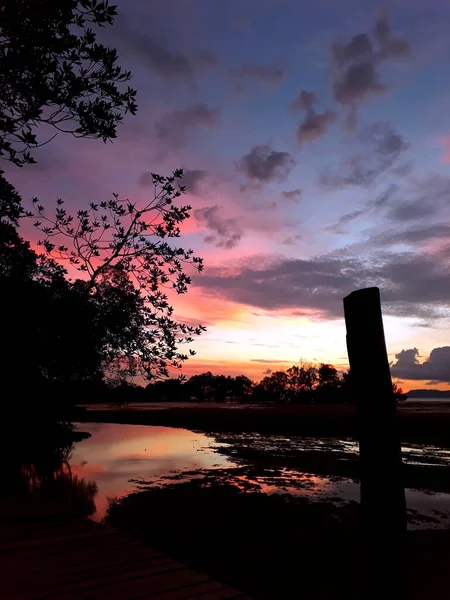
166, 390
53, 72
273, 388
56, 336
129, 240
241, 388
301, 382
55, 78
202, 387
327, 375
329, 384
399, 394
54, 75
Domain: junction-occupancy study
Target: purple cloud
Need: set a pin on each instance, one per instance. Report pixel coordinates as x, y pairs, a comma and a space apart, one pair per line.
262, 164
174, 126
227, 232
436, 368
314, 124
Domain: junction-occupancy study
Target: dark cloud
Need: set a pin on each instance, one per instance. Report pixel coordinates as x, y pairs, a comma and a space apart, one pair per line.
262, 164
357, 63
413, 236
357, 82
412, 285
292, 240
269, 205
345, 220
268, 362
384, 197
153, 51
378, 150
267, 372
411, 210
358, 48
227, 232
436, 368
292, 195
163, 61
314, 124
206, 58
305, 101
252, 72
175, 125
192, 178
418, 201
390, 46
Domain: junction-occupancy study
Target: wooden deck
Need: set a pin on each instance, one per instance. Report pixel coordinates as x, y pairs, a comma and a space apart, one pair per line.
80, 560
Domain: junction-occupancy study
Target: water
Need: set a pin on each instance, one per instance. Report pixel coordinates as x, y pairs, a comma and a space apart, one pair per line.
115, 454
126, 458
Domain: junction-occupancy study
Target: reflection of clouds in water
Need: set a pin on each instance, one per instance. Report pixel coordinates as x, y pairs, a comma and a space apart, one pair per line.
115, 454
123, 458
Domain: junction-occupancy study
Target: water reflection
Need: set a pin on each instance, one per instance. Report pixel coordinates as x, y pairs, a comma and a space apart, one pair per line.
128, 458
116, 454
39, 481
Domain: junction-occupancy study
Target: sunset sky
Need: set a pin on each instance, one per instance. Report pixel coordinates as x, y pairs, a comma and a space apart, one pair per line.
316, 143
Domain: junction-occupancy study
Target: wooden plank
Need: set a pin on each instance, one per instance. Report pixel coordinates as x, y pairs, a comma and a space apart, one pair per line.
45, 542
139, 587
116, 557
105, 577
188, 591
222, 594
89, 576
70, 553
45, 528
76, 560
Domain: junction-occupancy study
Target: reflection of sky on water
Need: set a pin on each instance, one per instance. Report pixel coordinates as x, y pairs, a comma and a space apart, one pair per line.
123, 458
117, 453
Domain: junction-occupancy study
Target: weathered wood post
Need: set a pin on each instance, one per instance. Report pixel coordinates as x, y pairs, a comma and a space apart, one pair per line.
383, 506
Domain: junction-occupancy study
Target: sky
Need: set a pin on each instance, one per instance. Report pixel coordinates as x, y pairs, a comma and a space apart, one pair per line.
315, 139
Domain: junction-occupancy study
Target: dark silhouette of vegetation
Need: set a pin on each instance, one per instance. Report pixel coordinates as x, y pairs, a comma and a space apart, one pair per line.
115, 321
125, 243
55, 78
54, 72
304, 384
37, 479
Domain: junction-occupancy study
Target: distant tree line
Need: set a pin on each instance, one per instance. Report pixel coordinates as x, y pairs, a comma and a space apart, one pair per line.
300, 384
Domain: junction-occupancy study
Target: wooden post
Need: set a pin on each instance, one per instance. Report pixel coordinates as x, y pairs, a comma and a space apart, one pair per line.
383, 505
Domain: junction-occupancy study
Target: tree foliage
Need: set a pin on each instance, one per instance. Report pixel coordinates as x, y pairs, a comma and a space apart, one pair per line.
54, 75
204, 387
127, 242
54, 332
304, 383
116, 320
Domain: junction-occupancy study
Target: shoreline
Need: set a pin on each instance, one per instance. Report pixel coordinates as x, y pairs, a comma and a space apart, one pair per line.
415, 425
